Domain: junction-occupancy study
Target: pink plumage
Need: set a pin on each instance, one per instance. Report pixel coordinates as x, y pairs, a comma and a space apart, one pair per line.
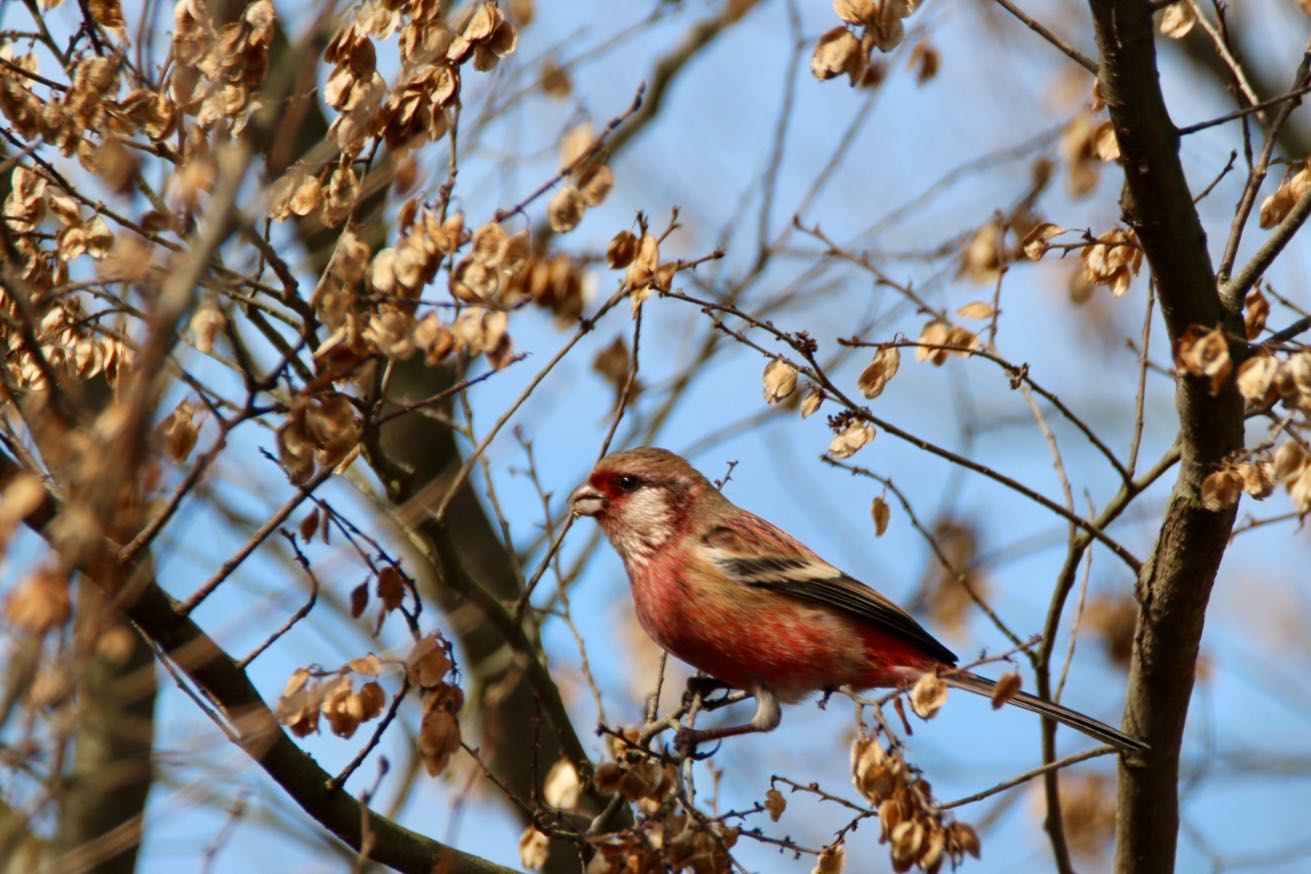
738, 598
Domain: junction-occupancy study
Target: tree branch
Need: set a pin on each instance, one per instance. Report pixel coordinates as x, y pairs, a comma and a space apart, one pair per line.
1236, 288
260, 736
1043, 31
1175, 584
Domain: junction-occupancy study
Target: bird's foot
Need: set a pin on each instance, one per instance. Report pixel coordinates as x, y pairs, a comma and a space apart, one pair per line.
685, 743
703, 686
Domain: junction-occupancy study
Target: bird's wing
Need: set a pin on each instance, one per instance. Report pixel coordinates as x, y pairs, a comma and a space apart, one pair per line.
763, 557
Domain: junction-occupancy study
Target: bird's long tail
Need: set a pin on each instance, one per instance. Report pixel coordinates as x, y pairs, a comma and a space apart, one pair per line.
1073, 718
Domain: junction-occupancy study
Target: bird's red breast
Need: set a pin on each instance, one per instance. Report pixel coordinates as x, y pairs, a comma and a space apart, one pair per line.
749, 637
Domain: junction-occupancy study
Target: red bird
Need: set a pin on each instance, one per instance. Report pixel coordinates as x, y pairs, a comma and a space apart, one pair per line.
734, 596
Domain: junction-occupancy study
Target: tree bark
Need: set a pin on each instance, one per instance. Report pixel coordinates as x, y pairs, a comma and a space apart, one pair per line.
103, 803
1175, 585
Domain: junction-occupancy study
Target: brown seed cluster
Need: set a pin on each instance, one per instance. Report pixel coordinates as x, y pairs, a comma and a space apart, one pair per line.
1113, 260
415, 109
638, 255
666, 837
553, 282
370, 301
431, 671
311, 694
940, 340
71, 345
635, 774
319, 430
432, 49
590, 180
875, 377
217, 70
868, 25
921, 836
1266, 378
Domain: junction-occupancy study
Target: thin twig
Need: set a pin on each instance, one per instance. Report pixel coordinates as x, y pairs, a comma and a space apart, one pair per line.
1029, 775
299, 614
1037, 27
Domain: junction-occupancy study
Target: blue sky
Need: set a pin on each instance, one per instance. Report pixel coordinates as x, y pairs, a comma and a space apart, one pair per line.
998, 88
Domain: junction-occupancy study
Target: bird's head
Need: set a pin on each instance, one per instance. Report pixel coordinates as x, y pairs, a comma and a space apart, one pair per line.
639, 498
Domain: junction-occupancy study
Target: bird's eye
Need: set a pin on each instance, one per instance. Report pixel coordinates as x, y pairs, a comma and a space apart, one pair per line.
629, 483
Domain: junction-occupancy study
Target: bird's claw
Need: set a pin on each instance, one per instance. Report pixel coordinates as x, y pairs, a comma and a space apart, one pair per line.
702, 686
685, 745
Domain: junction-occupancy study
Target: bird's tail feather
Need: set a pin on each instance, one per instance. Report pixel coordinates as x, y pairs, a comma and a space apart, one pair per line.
1073, 718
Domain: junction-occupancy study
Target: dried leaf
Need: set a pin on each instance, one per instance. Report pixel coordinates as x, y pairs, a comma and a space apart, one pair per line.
984, 255
811, 401
871, 771
534, 846
780, 380
641, 272
932, 336
1105, 146
838, 51
206, 324
1221, 489
1113, 260
565, 210
1275, 207
1258, 477
855, 11
965, 837
370, 699
40, 602
924, 60
179, 431
428, 662
596, 184
1290, 459
562, 788
1178, 19
359, 600
1256, 376
1007, 685
1299, 490
852, 439
976, 309
622, 250
1205, 354
1256, 311
439, 738
832, 859
575, 145
775, 804
1035, 243
928, 695
875, 377
556, 81
882, 514
391, 587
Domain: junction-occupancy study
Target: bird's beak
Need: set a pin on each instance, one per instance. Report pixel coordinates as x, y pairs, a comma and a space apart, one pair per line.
586, 501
